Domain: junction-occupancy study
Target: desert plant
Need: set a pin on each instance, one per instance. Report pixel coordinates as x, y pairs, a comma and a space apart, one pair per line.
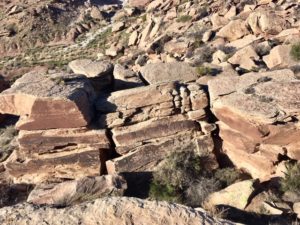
227, 176
203, 70
295, 51
198, 191
291, 180
184, 18
164, 192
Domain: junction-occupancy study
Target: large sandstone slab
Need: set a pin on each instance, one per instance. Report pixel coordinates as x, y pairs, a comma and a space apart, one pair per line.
109, 210
258, 114
45, 101
154, 128
77, 191
147, 157
64, 165
56, 140
156, 73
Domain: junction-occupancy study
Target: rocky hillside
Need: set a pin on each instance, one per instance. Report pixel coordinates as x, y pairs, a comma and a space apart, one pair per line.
111, 110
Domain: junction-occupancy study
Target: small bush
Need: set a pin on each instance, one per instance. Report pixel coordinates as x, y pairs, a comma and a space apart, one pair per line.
200, 189
203, 70
164, 192
227, 176
295, 51
291, 180
184, 19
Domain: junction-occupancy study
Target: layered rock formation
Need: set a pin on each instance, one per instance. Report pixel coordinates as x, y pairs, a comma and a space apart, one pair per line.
53, 143
108, 211
258, 115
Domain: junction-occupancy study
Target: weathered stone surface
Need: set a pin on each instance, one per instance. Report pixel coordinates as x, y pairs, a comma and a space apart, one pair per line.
148, 156
109, 210
77, 191
280, 57
135, 98
157, 73
257, 113
100, 73
245, 58
64, 165
155, 128
49, 101
125, 78
91, 68
235, 195
234, 30
56, 140
266, 22
138, 3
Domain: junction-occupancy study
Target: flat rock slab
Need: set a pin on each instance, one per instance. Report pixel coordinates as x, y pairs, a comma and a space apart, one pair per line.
109, 210
156, 73
154, 128
45, 101
77, 191
147, 157
257, 113
65, 165
56, 140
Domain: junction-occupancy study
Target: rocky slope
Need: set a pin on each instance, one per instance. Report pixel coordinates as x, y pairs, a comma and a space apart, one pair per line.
113, 91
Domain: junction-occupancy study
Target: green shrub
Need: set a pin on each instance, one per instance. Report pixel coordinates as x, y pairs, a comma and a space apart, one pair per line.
291, 180
198, 191
295, 51
184, 19
176, 178
227, 176
203, 70
164, 192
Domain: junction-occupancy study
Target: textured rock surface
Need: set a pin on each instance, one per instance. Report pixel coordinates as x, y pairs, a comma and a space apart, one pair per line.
76, 191
236, 195
257, 114
113, 210
157, 73
50, 167
233, 30
49, 101
56, 140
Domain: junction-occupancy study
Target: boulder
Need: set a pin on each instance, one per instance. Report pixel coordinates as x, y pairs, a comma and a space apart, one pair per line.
77, 191
245, 58
234, 30
100, 73
257, 113
236, 195
266, 22
125, 78
138, 3
45, 101
157, 73
108, 210
280, 57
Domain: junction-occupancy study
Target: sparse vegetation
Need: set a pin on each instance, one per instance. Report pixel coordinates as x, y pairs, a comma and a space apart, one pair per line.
203, 70
185, 177
291, 180
184, 19
295, 51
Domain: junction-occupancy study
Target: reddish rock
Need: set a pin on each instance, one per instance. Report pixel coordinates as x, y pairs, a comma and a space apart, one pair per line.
46, 101
257, 113
56, 140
